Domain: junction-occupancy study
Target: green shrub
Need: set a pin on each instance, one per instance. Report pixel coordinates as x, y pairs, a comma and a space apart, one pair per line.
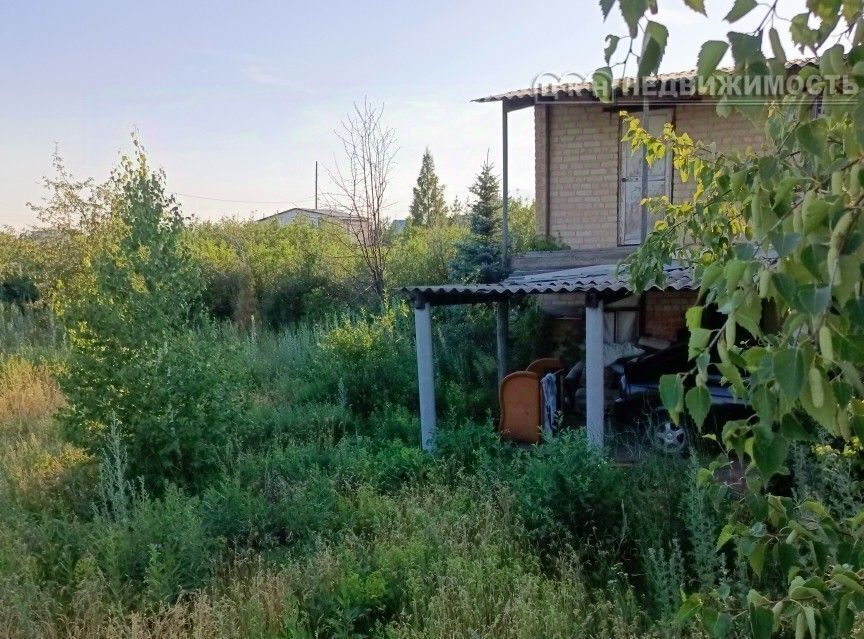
566, 489
141, 352
394, 422
295, 422
665, 577
472, 447
370, 360
158, 551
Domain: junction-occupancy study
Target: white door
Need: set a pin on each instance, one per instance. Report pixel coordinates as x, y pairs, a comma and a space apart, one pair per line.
630, 191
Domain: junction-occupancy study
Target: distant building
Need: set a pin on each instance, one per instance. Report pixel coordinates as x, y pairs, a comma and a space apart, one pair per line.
314, 216
397, 226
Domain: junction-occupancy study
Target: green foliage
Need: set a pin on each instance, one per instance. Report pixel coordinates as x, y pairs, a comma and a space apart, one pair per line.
776, 239
275, 274
141, 352
479, 256
522, 222
17, 266
567, 488
665, 577
371, 358
428, 207
423, 255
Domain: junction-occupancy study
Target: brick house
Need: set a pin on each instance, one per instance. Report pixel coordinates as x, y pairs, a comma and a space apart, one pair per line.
588, 192
589, 189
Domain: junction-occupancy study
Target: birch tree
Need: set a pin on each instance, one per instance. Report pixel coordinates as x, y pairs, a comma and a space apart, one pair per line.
361, 178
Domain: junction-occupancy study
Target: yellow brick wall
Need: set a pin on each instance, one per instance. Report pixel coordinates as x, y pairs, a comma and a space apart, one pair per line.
701, 122
584, 165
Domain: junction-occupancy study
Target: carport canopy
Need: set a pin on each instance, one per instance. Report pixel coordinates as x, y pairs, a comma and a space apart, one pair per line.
600, 283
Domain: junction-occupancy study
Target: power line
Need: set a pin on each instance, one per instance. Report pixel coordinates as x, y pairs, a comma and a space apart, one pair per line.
219, 199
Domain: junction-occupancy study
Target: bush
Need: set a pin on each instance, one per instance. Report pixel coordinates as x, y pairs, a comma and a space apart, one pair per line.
160, 550
141, 351
369, 360
566, 489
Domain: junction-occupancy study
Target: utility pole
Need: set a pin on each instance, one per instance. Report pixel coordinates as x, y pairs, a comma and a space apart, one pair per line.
316, 185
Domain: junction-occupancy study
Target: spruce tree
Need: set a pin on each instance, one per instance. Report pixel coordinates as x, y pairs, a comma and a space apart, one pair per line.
479, 256
428, 207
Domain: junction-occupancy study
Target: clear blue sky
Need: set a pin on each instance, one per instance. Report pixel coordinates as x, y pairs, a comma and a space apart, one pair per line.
236, 100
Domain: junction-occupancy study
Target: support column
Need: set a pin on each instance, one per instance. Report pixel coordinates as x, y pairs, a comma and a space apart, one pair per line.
425, 372
505, 195
502, 323
594, 389
644, 210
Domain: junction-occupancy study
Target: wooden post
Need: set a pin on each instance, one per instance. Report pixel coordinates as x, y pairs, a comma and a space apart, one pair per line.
594, 391
425, 372
502, 324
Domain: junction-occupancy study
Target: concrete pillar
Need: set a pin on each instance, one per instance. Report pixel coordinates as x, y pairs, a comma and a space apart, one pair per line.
502, 325
594, 390
425, 373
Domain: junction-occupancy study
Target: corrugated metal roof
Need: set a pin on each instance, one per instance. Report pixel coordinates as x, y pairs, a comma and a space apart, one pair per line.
586, 89
600, 278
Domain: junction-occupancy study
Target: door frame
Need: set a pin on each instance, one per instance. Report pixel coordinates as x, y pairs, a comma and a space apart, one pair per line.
621, 195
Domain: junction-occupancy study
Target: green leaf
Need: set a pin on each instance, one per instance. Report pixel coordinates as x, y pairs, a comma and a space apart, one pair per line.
653, 48
745, 47
672, 394
611, 44
825, 9
789, 371
769, 450
717, 624
756, 558
632, 11
785, 287
776, 45
602, 84
699, 338
801, 33
689, 608
697, 5
606, 7
693, 317
698, 402
850, 348
761, 622
710, 55
811, 139
740, 9
811, 620
825, 413
658, 32
784, 243
814, 299
725, 536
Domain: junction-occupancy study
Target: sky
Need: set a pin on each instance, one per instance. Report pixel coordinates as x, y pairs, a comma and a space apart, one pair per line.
237, 100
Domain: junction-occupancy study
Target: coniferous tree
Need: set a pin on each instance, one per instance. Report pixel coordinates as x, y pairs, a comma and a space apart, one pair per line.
428, 207
457, 210
479, 256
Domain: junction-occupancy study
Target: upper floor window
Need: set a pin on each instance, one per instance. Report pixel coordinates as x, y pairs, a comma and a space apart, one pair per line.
630, 223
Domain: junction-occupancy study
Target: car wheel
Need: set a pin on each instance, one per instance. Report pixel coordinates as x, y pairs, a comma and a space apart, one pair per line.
666, 435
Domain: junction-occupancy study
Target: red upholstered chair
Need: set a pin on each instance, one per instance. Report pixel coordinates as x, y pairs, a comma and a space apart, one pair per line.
521, 413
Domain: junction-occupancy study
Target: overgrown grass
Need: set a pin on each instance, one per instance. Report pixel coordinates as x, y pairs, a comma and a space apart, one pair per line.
326, 520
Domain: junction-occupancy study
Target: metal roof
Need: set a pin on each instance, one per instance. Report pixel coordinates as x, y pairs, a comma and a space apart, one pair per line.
585, 89
602, 278
334, 213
